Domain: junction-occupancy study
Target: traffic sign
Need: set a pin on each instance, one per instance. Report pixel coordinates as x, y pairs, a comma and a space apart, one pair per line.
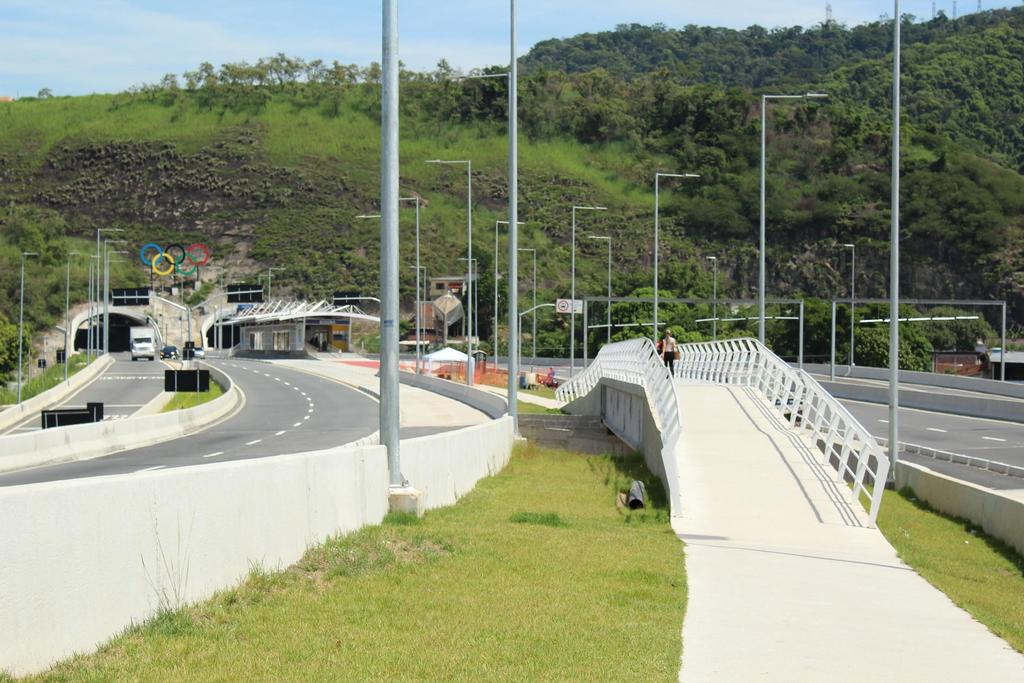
569, 306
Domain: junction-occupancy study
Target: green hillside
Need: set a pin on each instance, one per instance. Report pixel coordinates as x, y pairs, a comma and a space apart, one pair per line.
271, 164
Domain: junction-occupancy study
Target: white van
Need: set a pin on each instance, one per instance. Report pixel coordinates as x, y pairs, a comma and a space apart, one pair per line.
143, 343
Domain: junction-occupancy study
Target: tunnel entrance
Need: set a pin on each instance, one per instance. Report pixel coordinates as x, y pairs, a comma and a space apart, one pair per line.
120, 327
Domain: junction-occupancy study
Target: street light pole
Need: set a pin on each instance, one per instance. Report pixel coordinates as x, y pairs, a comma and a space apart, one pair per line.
853, 275
607, 239
534, 315
106, 292
572, 296
99, 261
714, 309
389, 381
21, 319
469, 239
764, 145
894, 256
513, 221
496, 224
67, 313
270, 281
657, 211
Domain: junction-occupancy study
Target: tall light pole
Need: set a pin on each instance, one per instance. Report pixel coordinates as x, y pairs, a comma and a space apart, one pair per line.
471, 268
894, 255
657, 211
513, 221
469, 254
572, 314
853, 274
67, 312
607, 239
21, 319
419, 305
764, 143
534, 310
106, 292
389, 382
714, 299
496, 224
99, 261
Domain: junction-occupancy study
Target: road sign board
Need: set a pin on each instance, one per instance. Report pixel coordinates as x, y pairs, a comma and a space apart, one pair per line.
569, 306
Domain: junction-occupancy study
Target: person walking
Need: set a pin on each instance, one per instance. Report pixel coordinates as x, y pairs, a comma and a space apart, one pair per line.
668, 352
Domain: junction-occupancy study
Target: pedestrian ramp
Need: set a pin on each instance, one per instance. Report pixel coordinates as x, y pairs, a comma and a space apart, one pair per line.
788, 580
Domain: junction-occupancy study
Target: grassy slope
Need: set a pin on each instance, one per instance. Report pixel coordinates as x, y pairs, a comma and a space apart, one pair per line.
580, 591
43, 381
978, 573
191, 399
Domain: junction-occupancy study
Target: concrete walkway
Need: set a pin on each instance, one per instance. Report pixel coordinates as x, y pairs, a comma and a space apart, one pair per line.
786, 582
524, 396
419, 408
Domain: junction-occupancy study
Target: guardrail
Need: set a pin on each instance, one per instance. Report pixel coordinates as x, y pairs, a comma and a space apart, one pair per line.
845, 444
994, 466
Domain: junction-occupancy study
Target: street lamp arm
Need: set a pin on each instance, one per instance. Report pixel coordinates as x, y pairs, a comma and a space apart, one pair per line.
531, 310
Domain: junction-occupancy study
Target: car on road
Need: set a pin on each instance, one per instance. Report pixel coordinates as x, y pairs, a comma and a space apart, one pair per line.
170, 352
199, 352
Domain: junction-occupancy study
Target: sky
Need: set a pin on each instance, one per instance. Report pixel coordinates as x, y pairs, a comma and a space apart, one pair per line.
77, 47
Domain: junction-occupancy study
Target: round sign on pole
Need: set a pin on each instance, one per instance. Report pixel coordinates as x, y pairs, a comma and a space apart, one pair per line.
563, 305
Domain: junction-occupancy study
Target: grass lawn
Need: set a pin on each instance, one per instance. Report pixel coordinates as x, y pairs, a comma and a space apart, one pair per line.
546, 392
191, 399
533, 576
525, 407
980, 574
43, 381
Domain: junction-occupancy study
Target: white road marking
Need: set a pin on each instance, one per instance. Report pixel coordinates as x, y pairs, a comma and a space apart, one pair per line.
277, 379
214, 455
303, 393
280, 433
993, 438
287, 384
297, 424
310, 410
884, 421
150, 469
936, 429
253, 442
306, 418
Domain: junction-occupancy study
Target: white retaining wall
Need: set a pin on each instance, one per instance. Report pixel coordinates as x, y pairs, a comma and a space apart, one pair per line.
444, 467
83, 559
998, 514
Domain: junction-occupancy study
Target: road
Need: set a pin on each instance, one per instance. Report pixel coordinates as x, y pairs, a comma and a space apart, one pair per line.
285, 411
123, 389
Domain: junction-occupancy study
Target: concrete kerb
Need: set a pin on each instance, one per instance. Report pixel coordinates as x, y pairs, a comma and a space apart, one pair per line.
16, 413
84, 442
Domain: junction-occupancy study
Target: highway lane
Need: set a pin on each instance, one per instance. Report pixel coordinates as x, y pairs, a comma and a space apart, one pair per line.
978, 437
285, 411
123, 389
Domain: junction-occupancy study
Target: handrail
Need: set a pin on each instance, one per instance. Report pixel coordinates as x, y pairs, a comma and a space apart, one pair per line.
846, 446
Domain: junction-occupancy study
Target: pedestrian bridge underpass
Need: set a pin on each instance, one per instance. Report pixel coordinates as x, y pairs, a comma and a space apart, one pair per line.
771, 483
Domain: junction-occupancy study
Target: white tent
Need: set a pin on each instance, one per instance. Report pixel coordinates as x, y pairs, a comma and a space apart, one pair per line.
445, 355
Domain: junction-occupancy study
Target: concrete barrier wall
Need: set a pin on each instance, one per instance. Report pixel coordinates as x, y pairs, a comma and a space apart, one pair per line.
15, 414
998, 514
935, 379
446, 466
955, 404
489, 404
85, 558
81, 442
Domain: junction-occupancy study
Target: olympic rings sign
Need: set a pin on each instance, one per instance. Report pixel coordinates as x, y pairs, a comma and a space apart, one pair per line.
174, 258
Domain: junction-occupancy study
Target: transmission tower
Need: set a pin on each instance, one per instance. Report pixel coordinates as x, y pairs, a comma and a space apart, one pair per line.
828, 13
933, 9
954, 9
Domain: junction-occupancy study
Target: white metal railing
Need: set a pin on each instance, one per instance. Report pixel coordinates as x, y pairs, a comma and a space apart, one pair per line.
636, 361
845, 445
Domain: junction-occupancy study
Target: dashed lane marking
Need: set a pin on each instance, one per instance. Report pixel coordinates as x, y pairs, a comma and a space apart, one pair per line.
150, 469
994, 438
936, 429
214, 455
253, 442
297, 424
280, 432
